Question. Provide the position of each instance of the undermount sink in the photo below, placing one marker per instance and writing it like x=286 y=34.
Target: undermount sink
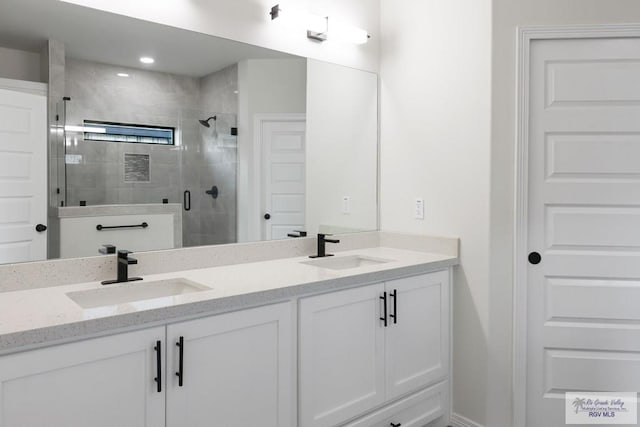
x=346 y=262
x=134 y=291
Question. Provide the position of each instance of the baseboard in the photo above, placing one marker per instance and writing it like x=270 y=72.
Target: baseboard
x=460 y=421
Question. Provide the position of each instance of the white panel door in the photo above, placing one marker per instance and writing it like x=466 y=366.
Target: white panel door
x=23 y=176
x=417 y=343
x=238 y=370
x=283 y=180
x=584 y=221
x=341 y=348
x=102 y=382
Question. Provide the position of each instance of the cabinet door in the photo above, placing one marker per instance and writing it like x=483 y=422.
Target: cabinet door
x=238 y=370
x=417 y=344
x=341 y=351
x=103 y=382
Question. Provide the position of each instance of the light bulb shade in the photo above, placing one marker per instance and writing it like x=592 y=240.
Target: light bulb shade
x=339 y=31
x=290 y=16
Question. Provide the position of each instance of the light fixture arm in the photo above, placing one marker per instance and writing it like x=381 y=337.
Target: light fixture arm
x=318 y=27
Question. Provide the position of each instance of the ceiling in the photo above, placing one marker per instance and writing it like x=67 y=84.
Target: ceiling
x=114 y=39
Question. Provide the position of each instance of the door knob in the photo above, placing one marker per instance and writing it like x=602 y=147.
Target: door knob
x=267 y=216
x=40 y=228
x=535 y=258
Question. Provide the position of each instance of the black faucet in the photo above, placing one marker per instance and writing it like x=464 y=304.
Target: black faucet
x=107 y=249
x=322 y=252
x=299 y=234
x=124 y=261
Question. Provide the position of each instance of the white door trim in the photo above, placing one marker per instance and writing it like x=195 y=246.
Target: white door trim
x=24 y=86
x=526 y=35
x=258 y=120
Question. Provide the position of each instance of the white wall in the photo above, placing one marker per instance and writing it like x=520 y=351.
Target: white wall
x=507 y=16
x=265 y=86
x=248 y=21
x=435 y=144
x=20 y=65
x=342 y=148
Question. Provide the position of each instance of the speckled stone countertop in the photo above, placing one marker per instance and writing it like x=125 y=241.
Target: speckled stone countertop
x=37 y=317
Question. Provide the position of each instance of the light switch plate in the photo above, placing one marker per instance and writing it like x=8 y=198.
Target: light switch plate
x=346 y=204
x=419 y=208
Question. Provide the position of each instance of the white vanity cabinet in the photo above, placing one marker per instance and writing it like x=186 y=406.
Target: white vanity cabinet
x=237 y=369
x=374 y=355
x=102 y=382
x=364 y=347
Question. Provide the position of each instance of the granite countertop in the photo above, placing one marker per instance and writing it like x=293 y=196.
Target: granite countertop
x=36 y=317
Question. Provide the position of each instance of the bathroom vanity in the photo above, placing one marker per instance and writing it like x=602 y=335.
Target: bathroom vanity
x=359 y=339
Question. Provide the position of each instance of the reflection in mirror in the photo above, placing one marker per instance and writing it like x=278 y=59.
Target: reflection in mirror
x=162 y=138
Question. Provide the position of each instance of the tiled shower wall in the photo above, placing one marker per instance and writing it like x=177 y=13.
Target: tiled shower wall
x=199 y=160
x=213 y=163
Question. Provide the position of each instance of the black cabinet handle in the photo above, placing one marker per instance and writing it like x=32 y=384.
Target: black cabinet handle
x=158 y=378
x=180 y=373
x=267 y=216
x=186 y=200
x=394 y=316
x=40 y=228
x=384 y=310
x=395 y=425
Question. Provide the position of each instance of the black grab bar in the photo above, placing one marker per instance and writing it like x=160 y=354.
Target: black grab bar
x=101 y=227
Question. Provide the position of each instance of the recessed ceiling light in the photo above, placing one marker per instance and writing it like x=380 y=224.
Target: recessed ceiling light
x=147 y=60
x=123 y=75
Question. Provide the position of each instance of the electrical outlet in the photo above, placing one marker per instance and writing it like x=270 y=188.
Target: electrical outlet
x=419 y=209
x=346 y=204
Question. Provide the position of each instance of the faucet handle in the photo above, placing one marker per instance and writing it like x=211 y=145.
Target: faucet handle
x=123 y=253
x=107 y=249
x=322 y=236
x=301 y=233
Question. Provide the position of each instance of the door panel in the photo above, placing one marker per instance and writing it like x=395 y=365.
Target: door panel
x=584 y=217
x=103 y=382
x=23 y=168
x=283 y=183
x=341 y=347
x=238 y=370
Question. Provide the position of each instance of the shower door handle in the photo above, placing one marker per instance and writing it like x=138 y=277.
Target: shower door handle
x=187 y=200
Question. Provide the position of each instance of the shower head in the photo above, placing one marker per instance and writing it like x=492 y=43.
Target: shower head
x=205 y=123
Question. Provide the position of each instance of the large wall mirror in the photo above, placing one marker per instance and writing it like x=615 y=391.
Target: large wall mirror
x=149 y=137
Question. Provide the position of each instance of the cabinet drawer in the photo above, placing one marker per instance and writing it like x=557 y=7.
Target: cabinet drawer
x=414 y=411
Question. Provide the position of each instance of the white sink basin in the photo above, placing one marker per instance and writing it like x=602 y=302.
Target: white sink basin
x=134 y=291
x=346 y=262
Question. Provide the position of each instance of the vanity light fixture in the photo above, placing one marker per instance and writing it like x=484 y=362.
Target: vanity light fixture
x=123 y=75
x=341 y=31
x=147 y=60
x=319 y=28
